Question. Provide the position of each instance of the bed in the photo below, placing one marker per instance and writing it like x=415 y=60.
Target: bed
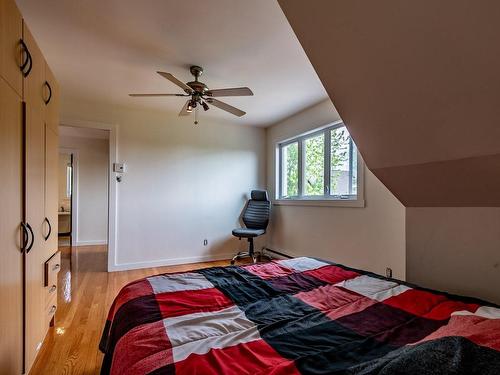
x=296 y=316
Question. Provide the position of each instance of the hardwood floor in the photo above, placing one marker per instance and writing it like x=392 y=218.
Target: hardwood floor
x=85 y=294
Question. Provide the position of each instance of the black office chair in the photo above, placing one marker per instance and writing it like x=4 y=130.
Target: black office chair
x=256 y=218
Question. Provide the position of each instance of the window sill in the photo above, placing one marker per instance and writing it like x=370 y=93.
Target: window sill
x=359 y=203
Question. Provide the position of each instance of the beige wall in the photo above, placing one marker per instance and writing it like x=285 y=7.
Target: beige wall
x=455 y=249
x=417 y=89
x=371 y=238
x=419 y=93
x=184 y=183
x=92 y=190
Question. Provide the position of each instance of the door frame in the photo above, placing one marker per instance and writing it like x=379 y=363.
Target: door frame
x=74 y=193
x=112 y=183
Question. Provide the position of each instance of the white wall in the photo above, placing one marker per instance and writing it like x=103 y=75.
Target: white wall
x=184 y=183
x=370 y=238
x=456 y=249
x=93 y=156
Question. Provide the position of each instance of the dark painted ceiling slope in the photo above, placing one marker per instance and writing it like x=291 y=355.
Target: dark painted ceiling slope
x=418 y=85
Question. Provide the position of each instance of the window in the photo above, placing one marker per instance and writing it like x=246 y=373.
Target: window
x=319 y=166
x=314 y=165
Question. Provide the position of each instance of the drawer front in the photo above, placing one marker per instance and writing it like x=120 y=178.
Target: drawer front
x=52 y=267
x=50 y=294
x=50 y=311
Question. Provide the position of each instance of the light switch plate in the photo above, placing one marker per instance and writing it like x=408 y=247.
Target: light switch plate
x=119 y=167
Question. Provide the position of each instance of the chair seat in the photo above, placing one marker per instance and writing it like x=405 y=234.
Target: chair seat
x=248 y=233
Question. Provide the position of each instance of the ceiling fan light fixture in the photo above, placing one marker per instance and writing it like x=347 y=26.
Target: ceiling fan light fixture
x=198 y=93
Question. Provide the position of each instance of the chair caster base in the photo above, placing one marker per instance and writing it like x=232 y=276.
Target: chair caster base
x=256 y=256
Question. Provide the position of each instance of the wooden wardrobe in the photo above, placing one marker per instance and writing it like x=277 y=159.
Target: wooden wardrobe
x=29 y=259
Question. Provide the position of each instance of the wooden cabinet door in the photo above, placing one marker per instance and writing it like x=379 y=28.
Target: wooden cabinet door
x=11 y=259
x=51 y=97
x=34 y=201
x=34 y=82
x=51 y=100
x=51 y=189
x=11 y=28
x=35 y=215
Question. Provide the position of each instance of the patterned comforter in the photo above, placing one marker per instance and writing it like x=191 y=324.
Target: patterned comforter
x=296 y=316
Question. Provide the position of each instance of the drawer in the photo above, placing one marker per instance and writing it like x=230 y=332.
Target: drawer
x=50 y=294
x=52 y=267
x=50 y=311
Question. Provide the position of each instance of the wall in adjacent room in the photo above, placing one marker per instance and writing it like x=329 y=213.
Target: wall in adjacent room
x=64 y=160
x=455 y=249
x=93 y=156
x=183 y=183
x=371 y=238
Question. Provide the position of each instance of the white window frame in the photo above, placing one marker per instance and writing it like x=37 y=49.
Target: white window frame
x=317 y=200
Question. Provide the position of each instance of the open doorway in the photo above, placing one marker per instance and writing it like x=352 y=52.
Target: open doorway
x=65 y=197
x=84 y=194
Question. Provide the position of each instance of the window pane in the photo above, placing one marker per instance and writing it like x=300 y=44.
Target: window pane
x=344 y=171
x=290 y=168
x=314 y=166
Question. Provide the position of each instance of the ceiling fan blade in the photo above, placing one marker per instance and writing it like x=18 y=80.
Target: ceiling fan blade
x=146 y=95
x=179 y=83
x=226 y=107
x=184 y=111
x=235 y=91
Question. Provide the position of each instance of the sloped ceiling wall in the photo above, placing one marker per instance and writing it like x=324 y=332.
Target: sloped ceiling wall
x=418 y=85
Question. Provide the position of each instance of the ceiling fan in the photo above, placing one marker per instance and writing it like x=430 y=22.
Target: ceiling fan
x=201 y=95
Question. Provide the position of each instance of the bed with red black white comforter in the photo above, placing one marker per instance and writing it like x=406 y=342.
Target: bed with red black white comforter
x=296 y=316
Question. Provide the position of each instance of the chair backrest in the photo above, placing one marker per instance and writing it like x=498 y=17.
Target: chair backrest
x=257 y=211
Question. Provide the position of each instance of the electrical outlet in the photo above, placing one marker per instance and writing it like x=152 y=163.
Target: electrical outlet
x=205 y=242
x=388 y=272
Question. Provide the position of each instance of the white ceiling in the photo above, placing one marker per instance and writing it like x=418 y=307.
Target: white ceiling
x=104 y=49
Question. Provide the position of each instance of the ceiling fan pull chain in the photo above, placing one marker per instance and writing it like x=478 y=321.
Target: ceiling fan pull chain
x=196 y=116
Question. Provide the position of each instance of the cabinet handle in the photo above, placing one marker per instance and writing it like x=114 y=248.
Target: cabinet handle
x=25 y=50
x=25 y=237
x=52 y=309
x=50 y=229
x=52 y=289
x=50 y=93
x=28 y=62
x=56 y=267
x=28 y=249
